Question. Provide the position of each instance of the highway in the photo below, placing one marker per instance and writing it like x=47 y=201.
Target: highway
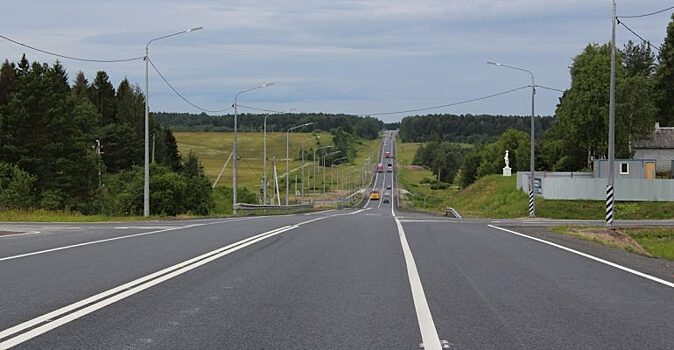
x=363 y=278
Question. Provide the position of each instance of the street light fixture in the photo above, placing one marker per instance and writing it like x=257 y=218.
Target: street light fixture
x=235 y=154
x=288 y=156
x=146 y=184
x=532 y=161
x=303 y=141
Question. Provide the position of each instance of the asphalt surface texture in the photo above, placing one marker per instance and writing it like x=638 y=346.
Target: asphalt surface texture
x=364 y=278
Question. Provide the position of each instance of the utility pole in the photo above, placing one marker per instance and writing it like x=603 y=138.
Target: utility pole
x=611 y=127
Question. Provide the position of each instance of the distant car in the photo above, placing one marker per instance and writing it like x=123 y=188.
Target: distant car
x=388 y=187
x=386 y=200
x=374 y=195
x=389 y=169
x=387 y=194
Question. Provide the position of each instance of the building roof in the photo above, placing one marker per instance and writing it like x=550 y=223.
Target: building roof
x=661 y=138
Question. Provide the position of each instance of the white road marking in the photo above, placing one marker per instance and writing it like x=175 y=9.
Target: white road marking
x=431 y=220
x=592 y=257
x=88 y=243
x=171 y=228
x=144 y=227
x=429 y=334
x=70 y=313
x=86 y=306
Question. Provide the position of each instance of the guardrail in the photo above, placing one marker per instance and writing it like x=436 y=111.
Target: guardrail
x=244 y=209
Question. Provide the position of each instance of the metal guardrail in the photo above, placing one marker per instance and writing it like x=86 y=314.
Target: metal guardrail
x=244 y=209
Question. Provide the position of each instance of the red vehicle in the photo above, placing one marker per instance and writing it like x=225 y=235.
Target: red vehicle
x=380 y=168
x=387 y=154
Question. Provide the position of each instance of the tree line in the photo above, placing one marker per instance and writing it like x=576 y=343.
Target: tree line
x=80 y=147
x=576 y=135
x=365 y=127
x=467 y=128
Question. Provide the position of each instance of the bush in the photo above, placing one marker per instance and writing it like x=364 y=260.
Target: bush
x=17 y=187
x=440 y=186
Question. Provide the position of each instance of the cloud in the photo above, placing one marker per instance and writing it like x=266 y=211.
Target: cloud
x=338 y=56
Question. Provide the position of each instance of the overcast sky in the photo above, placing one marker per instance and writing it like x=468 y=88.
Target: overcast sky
x=349 y=56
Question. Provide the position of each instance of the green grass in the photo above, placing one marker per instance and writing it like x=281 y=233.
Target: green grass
x=655 y=241
x=496 y=196
x=59 y=216
x=421 y=196
x=658 y=242
x=213 y=149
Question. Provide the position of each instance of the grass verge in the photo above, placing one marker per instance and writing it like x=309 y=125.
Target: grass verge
x=649 y=241
x=59 y=216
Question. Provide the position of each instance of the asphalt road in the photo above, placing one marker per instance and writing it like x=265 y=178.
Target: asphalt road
x=368 y=278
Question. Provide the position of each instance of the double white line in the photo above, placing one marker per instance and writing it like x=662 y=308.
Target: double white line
x=27 y=330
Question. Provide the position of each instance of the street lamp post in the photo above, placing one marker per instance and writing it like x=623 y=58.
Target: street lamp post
x=532 y=161
x=235 y=147
x=319 y=148
x=324 y=170
x=305 y=140
x=611 y=126
x=146 y=184
x=332 y=172
x=264 y=156
x=288 y=156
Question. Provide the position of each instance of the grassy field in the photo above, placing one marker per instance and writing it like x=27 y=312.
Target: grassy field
x=651 y=241
x=213 y=149
x=496 y=196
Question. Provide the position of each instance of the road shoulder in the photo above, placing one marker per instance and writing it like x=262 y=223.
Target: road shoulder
x=656 y=267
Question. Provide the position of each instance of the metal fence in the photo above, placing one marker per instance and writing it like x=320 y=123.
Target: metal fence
x=590 y=188
x=243 y=209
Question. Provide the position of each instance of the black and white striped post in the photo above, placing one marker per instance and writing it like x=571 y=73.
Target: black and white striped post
x=532 y=204
x=609 y=205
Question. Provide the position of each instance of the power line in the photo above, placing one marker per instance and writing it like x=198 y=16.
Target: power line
x=649 y=14
x=647 y=42
x=455 y=103
x=181 y=95
x=70 y=57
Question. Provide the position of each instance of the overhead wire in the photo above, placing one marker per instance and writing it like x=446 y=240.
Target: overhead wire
x=647 y=42
x=454 y=103
x=649 y=14
x=70 y=57
x=181 y=95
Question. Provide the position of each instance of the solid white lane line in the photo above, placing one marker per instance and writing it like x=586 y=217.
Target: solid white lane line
x=430 y=220
x=78 y=309
x=128 y=289
x=114 y=239
x=429 y=334
x=89 y=243
x=144 y=227
x=592 y=257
